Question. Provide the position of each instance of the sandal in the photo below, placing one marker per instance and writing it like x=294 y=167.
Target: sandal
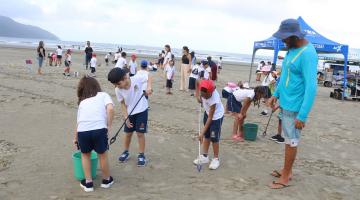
x=282 y=186
x=277 y=174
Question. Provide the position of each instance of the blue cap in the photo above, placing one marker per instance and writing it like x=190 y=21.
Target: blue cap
x=204 y=62
x=144 y=63
x=289 y=27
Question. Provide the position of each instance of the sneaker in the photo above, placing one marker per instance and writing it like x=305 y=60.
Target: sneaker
x=280 y=140
x=88 y=187
x=264 y=113
x=107 y=183
x=125 y=156
x=192 y=95
x=215 y=163
x=275 y=137
x=141 y=160
x=201 y=160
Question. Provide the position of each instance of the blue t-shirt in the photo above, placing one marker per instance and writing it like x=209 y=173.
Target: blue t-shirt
x=297 y=87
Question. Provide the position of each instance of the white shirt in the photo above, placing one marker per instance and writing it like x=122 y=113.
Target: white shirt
x=93 y=62
x=170 y=71
x=107 y=56
x=230 y=89
x=195 y=71
x=219 y=108
x=242 y=94
x=68 y=58
x=206 y=71
x=259 y=67
x=91 y=113
x=121 y=62
x=133 y=94
x=167 y=58
x=117 y=56
x=133 y=66
x=59 y=52
x=143 y=73
x=267 y=80
x=219 y=63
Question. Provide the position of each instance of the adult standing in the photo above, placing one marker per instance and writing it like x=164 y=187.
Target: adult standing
x=296 y=92
x=214 y=68
x=185 y=67
x=41 y=55
x=88 y=54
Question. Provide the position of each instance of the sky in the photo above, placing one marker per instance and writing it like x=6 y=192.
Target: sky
x=214 y=25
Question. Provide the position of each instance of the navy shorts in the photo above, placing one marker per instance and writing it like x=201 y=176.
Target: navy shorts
x=225 y=94
x=96 y=140
x=139 y=122
x=214 y=131
x=233 y=105
x=169 y=83
x=192 y=83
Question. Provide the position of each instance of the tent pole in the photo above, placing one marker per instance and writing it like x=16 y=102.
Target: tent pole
x=251 y=65
x=345 y=74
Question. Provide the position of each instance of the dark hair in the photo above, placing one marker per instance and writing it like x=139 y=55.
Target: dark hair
x=186 y=49
x=88 y=87
x=260 y=92
x=209 y=58
x=41 y=46
x=123 y=54
x=117 y=74
x=59 y=46
x=220 y=58
x=192 y=54
x=168 y=46
x=162 y=51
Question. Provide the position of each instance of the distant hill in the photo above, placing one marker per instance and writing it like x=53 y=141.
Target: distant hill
x=11 y=28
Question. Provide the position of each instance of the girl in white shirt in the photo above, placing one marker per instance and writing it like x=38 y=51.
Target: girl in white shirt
x=94 y=120
x=58 y=56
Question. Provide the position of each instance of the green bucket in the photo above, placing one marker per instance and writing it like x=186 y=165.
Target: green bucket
x=78 y=169
x=250 y=131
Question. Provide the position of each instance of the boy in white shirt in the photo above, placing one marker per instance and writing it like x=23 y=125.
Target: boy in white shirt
x=121 y=62
x=129 y=91
x=107 y=57
x=170 y=72
x=213 y=118
x=205 y=70
x=133 y=65
x=93 y=64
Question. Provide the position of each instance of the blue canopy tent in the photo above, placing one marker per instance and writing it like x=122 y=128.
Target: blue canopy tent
x=321 y=44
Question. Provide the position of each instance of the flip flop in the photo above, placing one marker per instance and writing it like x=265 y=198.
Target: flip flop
x=277 y=174
x=281 y=184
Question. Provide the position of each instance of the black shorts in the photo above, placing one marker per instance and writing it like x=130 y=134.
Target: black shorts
x=106 y=60
x=93 y=69
x=59 y=56
x=96 y=140
x=192 y=83
x=233 y=105
x=169 y=83
x=67 y=63
x=214 y=131
x=139 y=122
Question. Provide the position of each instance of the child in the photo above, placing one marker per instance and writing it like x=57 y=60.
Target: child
x=213 y=118
x=238 y=103
x=205 y=70
x=121 y=62
x=220 y=64
x=93 y=64
x=170 y=72
x=133 y=65
x=94 y=120
x=67 y=63
x=58 y=56
x=107 y=57
x=194 y=76
x=144 y=72
x=128 y=91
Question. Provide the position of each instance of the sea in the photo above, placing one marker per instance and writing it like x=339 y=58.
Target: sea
x=130 y=49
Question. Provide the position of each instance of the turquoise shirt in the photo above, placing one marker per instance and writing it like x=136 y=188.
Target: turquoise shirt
x=297 y=87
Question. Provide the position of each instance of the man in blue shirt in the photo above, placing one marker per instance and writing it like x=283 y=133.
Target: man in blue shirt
x=296 y=92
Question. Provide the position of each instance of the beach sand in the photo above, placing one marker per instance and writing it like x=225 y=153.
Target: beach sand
x=38 y=117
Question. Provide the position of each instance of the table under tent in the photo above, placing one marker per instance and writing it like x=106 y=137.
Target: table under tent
x=321 y=44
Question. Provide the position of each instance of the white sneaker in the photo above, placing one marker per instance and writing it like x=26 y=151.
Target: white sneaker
x=215 y=163
x=201 y=160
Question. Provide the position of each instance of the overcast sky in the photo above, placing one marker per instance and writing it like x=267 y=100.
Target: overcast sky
x=217 y=25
